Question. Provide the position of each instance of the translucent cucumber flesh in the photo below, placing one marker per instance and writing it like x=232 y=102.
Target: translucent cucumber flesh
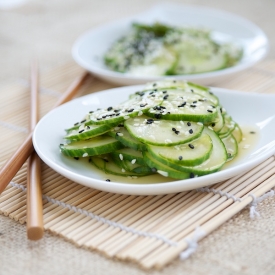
x=162 y=132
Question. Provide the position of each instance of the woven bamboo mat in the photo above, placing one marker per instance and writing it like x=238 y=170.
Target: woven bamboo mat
x=149 y=230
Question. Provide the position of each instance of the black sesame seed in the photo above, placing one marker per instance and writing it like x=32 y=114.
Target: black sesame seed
x=192 y=175
x=88 y=127
x=77 y=158
x=177 y=132
x=81 y=131
x=116 y=111
x=195 y=101
x=117 y=114
x=164 y=92
x=221 y=110
x=109 y=108
x=84 y=120
x=209 y=111
x=193 y=105
x=106 y=160
x=252 y=132
x=61 y=144
x=213 y=106
x=210 y=93
x=158 y=116
x=153 y=169
x=191 y=131
x=180 y=157
x=229 y=155
x=155 y=90
x=192 y=90
x=151 y=93
x=108 y=180
x=182 y=105
x=76 y=123
x=174 y=129
x=201 y=99
x=143 y=105
x=131 y=110
x=165 y=97
x=91 y=112
x=155 y=84
x=162 y=107
x=191 y=146
x=98 y=118
x=213 y=124
x=189 y=123
x=120 y=125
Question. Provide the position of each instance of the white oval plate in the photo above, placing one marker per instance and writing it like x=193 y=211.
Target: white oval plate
x=255 y=110
x=89 y=49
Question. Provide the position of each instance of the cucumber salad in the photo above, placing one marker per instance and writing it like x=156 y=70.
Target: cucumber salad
x=158 y=49
x=174 y=128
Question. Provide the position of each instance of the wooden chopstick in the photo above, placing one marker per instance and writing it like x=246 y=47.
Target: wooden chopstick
x=35 y=228
x=16 y=161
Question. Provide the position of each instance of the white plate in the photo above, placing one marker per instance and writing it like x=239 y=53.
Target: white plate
x=254 y=110
x=89 y=49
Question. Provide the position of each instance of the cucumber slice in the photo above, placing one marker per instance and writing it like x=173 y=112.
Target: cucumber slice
x=182 y=105
x=217 y=158
x=121 y=134
x=133 y=107
x=237 y=133
x=109 y=167
x=130 y=154
x=183 y=154
x=218 y=123
x=162 y=132
x=87 y=132
x=228 y=127
x=96 y=146
x=163 y=169
x=231 y=146
x=130 y=166
x=185 y=86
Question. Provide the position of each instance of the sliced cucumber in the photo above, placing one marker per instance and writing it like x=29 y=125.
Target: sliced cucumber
x=218 y=123
x=188 y=154
x=228 y=126
x=237 y=133
x=133 y=107
x=121 y=134
x=182 y=105
x=162 y=132
x=130 y=154
x=165 y=170
x=87 y=132
x=231 y=146
x=109 y=167
x=96 y=146
x=130 y=166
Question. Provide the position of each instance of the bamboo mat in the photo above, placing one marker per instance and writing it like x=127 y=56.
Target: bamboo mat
x=149 y=230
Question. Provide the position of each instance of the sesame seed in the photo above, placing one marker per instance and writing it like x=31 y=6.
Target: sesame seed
x=163 y=173
x=131 y=110
x=191 y=131
x=192 y=175
x=85 y=155
x=193 y=105
x=180 y=157
x=174 y=129
x=108 y=180
x=209 y=111
x=153 y=169
x=76 y=123
x=121 y=156
x=77 y=158
x=189 y=123
x=191 y=146
x=109 y=108
x=213 y=124
x=177 y=132
x=84 y=120
x=81 y=131
x=252 y=132
x=133 y=161
x=123 y=170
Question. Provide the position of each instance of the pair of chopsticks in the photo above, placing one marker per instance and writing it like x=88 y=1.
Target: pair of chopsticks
x=35 y=229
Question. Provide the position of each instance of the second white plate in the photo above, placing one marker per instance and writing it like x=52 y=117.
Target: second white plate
x=89 y=48
x=253 y=110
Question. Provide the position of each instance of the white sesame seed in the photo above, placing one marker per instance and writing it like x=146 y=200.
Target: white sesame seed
x=133 y=161
x=126 y=117
x=85 y=155
x=120 y=134
x=140 y=113
x=123 y=170
x=199 y=123
x=210 y=128
x=121 y=156
x=117 y=128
